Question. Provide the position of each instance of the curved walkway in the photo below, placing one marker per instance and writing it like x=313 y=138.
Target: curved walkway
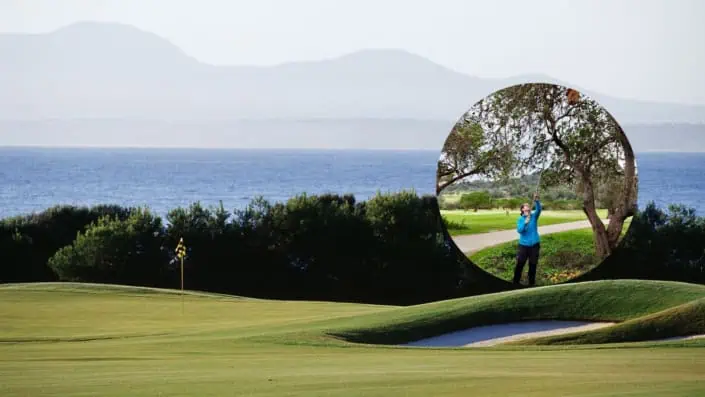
x=470 y=243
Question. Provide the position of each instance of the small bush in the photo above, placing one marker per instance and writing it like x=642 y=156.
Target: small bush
x=27 y=242
x=116 y=251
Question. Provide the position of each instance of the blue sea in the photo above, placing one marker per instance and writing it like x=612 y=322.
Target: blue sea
x=33 y=179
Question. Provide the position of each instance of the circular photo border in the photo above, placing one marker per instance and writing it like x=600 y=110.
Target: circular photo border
x=537 y=184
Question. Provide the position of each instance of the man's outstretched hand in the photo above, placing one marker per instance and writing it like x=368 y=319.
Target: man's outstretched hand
x=536 y=196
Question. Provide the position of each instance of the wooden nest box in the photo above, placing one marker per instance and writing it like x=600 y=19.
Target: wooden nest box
x=573 y=96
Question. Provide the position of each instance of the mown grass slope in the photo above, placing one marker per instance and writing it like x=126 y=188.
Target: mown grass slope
x=56 y=312
x=69 y=339
x=611 y=301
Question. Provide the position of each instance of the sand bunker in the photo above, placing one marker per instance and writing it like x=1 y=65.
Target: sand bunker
x=491 y=335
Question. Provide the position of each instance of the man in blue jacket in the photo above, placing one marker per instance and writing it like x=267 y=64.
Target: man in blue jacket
x=529 y=241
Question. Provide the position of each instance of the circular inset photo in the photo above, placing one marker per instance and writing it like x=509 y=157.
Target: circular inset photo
x=537 y=184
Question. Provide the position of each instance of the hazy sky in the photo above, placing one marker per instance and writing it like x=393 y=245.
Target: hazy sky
x=632 y=49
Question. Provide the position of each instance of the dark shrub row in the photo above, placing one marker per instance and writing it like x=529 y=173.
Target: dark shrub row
x=27 y=242
x=390 y=249
x=660 y=245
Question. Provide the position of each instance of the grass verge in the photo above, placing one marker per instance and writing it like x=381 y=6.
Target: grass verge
x=468 y=223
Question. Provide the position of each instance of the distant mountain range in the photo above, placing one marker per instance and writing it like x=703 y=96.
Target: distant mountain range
x=107 y=70
x=111 y=84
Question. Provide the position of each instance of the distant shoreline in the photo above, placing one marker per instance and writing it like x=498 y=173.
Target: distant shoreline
x=317 y=149
x=216 y=148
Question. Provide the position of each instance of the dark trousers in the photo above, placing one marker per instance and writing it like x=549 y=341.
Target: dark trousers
x=532 y=254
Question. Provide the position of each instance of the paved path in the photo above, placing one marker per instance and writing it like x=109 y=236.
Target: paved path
x=474 y=242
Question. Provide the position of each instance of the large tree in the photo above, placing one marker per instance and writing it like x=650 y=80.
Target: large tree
x=554 y=130
x=577 y=142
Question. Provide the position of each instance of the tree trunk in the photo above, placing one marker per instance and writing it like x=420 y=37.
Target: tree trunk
x=603 y=248
x=626 y=202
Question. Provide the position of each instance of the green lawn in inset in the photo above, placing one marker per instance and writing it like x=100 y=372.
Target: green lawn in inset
x=468 y=222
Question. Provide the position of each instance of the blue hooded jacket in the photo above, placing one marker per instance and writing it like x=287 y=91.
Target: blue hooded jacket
x=528 y=232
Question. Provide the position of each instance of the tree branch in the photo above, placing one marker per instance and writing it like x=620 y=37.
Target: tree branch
x=567 y=113
x=441 y=186
x=602 y=144
x=558 y=141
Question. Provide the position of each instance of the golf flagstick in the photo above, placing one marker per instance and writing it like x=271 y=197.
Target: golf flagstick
x=182 y=286
x=181 y=253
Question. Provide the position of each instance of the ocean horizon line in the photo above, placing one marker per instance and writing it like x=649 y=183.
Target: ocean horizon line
x=214 y=148
x=258 y=148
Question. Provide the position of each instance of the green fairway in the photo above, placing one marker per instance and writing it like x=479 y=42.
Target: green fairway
x=468 y=222
x=72 y=339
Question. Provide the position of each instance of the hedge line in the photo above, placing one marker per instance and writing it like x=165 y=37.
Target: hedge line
x=390 y=249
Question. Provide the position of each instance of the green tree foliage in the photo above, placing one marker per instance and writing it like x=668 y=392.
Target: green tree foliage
x=26 y=242
x=660 y=245
x=118 y=251
x=391 y=249
x=476 y=201
x=517 y=190
x=407 y=228
x=473 y=148
x=205 y=231
x=576 y=143
x=533 y=129
x=323 y=241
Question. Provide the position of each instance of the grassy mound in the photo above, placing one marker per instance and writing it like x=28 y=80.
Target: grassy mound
x=76 y=339
x=80 y=312
x=611 y=301
x=643 y=309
